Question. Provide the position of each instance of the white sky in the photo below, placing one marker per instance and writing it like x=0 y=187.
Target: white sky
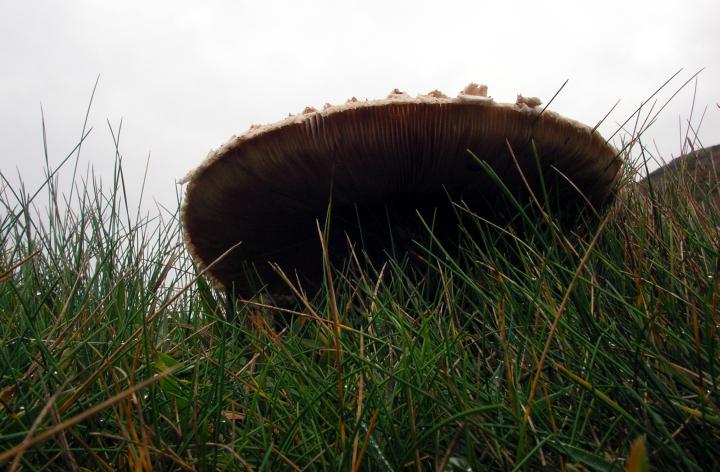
x=184 y=76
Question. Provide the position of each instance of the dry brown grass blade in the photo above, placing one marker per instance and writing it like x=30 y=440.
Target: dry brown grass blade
x=79 y=418
x=36 y=424
x=313 y=316
x=232 y=452
x=91 y=453
x=451 y=447
x=108 y=361
x=168 y=454
x=559 y=313
x=370 y=429
x=8 y=273
x=74 y=331
x=298 y=294
x=165 y=270
x=336 y=331
x=359 y=403
x=638 y=461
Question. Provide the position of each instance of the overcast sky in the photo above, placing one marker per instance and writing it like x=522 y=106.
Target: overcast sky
x=184 y=76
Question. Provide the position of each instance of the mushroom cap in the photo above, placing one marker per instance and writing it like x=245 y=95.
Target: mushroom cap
x=266 y=188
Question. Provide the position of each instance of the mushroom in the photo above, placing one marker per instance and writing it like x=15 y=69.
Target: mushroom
x=375 y=164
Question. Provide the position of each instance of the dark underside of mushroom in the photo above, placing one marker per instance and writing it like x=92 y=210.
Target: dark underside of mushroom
x=399 y=226
x=382 y=176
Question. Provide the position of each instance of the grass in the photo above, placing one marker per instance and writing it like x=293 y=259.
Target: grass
x=554 y=350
